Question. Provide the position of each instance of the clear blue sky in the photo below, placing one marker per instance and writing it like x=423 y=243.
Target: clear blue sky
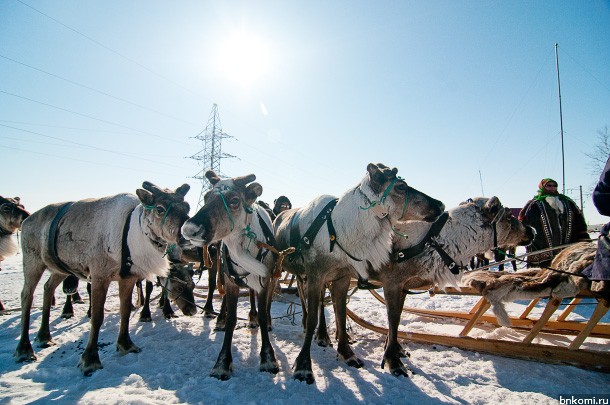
x=460 y=96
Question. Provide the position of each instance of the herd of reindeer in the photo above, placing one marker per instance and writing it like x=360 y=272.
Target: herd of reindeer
x=381 y=231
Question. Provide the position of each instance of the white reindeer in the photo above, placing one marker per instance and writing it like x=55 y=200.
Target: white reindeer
x=425 y=258
x=230 y=214
x=119 y=238
x=344 y=242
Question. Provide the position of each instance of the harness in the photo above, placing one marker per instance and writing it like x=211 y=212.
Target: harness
x=306 y=242
x=126 y=261
x=264 y=249
x=410 y=252
x=428 y=241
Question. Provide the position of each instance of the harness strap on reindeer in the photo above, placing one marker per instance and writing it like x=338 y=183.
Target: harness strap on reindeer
x=52 y=241
x=408 y=253
x=306 y=242
x=126 y=261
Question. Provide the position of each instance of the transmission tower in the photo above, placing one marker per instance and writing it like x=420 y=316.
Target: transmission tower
x=211 y=153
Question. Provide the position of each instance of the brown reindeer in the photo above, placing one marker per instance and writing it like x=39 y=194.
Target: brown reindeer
x=12 y=214
x=119 y=238
x=337 y=239
x=230 y=214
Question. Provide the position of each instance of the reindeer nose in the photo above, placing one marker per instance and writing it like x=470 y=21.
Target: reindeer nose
x=191 y=230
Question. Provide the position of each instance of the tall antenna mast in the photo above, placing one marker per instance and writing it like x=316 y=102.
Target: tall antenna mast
x=563 y=162
x=211 y=152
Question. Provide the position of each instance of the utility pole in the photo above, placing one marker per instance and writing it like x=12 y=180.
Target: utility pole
x=210 y=155
x=563 y=162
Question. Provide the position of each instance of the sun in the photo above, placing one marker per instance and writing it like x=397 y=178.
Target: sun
x=244 y=59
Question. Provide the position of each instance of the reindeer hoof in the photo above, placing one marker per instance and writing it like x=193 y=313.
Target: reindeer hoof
x=221 y=374
x=354 y=362
x=88 y=364
x=304 y=375
x=145 y=318
x=24 y=356
x=400 y=372
x=67 y=315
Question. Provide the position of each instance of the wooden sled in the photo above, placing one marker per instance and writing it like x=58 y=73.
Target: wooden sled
x=525 y=349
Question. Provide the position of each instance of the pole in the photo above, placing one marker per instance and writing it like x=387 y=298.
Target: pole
x=581 y=210
x=481 y=180
x=563 y=162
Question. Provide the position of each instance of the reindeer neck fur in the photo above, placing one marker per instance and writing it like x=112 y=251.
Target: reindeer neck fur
x=148 y=260
x=8 y=246
x=464 y=235
x=243 y=250
x=360 y=232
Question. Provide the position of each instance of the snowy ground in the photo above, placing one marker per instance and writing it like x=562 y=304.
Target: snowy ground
x=177 y=356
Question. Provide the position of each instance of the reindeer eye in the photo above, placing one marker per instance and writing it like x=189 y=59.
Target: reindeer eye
x=160 y=209
x=234 y=202
x=401 y=188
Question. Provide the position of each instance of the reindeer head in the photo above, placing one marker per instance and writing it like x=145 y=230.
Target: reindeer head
x=165 y=211
x=509 y=230
x=392 y=197
x=224 y=209
x=12 y=214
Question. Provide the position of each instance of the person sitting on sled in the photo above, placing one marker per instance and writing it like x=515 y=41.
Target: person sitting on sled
x=556 y=219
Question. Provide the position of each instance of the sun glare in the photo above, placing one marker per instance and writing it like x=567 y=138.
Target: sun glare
x=244 y=59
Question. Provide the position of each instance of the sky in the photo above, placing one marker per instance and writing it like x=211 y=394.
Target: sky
x=461 y=96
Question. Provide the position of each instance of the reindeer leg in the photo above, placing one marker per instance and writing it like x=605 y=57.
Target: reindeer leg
x=253 y=315
x=224 y=364
x=303 y=369
x=268 y=361
x=394 y=298
x=43 y=338
x=124 y=343
x=338 y=292
x=32 y=271
x=208 y=307
x=90 y=359
x=145 y=315
x=89 y=293
x=302 y=293
x=168 y=312
x=68 y=310
x=322 y=338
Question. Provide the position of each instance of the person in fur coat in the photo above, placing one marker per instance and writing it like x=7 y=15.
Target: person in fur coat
x=556 y=219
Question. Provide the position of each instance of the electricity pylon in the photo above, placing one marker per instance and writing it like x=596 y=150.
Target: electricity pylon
x=210 y=155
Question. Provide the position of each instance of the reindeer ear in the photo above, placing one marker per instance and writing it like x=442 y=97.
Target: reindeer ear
x=376 y=176
x=147 y=185
x=145 y=196
x=212 y=177
x=492 y=207
x=183 y=189
x=253 y=191
x=243 y=180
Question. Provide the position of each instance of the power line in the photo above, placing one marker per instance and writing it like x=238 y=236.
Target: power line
x=131 y=156
x=96 y=90
x=91 y=117
x=107 y=48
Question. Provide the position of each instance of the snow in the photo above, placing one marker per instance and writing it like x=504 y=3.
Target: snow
x=178 y=354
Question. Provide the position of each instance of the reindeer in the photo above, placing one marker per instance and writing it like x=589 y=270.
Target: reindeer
x=230 y=214
x=337 y=239
x=118 y=238
x=436 y=254
x=12 y=214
